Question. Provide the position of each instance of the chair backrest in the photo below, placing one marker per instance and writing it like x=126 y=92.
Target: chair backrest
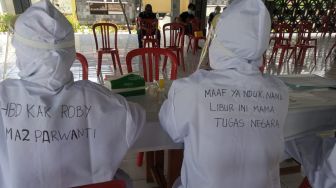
x=275 y=25
x=149 y=26
x=325 y=21
x=103 y=31
x=85 y=69
x=305 y=29
x=150 y=56
x=196 y=25
x=284 y=31
x=109 y=184
x=176 y=35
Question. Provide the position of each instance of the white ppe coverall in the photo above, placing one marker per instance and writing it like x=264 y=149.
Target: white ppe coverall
x=317 y=156
x=55 y=132
x=231 y=118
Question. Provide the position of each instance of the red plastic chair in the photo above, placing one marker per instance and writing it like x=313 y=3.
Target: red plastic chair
x=305 y=41
x=109 y=184
x=176 y=40
x=150 y=28
x=282 y=41
x=104 y=47
x=305 y=183
x=325 y=27
x=275 y=26
x=85 y=69
x=150 y=56
x=151 y=60
x=193 y=38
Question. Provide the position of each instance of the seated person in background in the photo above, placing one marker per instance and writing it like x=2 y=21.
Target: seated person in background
x=186 y=17
x=231 y=138
x=147 y=14
x=318 y=158
x=213 y=14
x=55 y=132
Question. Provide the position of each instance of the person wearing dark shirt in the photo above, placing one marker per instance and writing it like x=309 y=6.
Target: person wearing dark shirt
x=146 y=14
x=213 y=14
x=186 y=17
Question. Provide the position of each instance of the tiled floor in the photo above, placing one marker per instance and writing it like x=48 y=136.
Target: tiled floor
x=85 y=44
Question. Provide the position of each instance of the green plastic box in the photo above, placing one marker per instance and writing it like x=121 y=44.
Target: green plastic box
x=129 y=85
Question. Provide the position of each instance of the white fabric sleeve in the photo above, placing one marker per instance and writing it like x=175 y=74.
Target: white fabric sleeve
x=317 y=156
x=168 y=119
x=135 y=120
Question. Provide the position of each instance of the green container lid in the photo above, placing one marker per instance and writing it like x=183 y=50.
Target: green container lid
x=129 y=85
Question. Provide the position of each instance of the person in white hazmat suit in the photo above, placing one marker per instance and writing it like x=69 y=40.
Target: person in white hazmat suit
x=231 y=118
x=317 y=156
x=55 y=132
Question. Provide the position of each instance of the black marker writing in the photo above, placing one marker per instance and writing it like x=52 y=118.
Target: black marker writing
x=265 y=123
x=68 y=111
x=229 y=122
x=17 y=134
x=12 y=109
x=38 y=111
x=263 y=109
x=221 y=107
x=214 y=93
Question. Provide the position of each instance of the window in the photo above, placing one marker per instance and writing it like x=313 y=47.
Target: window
x=112 y=1
x=104 y=7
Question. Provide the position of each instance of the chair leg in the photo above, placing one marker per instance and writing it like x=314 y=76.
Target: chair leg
x=100 y=57
x=175 y=158
x=119 y=64
x=315 y=53
x=289 y=56
x=299 y=57
x=274 y=53
x=159 y=160
x=158 y=169
x=189 y=44
x=282 y=54
x=293 y=53
x=304 y=51
x=182 y=59
x=139 y=159
x=195 y=45
x=178 y=58
x=330 y=51
x=164 y=63
x=149 y=165
x=113 y=60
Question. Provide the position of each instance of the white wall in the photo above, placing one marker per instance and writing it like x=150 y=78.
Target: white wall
x=7 y=6
x=1 y=11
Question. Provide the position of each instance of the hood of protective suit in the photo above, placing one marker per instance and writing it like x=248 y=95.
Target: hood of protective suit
x=241 y=36
x=45 y=48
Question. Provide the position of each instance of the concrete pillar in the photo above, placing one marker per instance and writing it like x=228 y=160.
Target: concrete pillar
x=175 y=9
x=200 y=13
x=2 y=7
x=21 y=5
x=7 y=6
